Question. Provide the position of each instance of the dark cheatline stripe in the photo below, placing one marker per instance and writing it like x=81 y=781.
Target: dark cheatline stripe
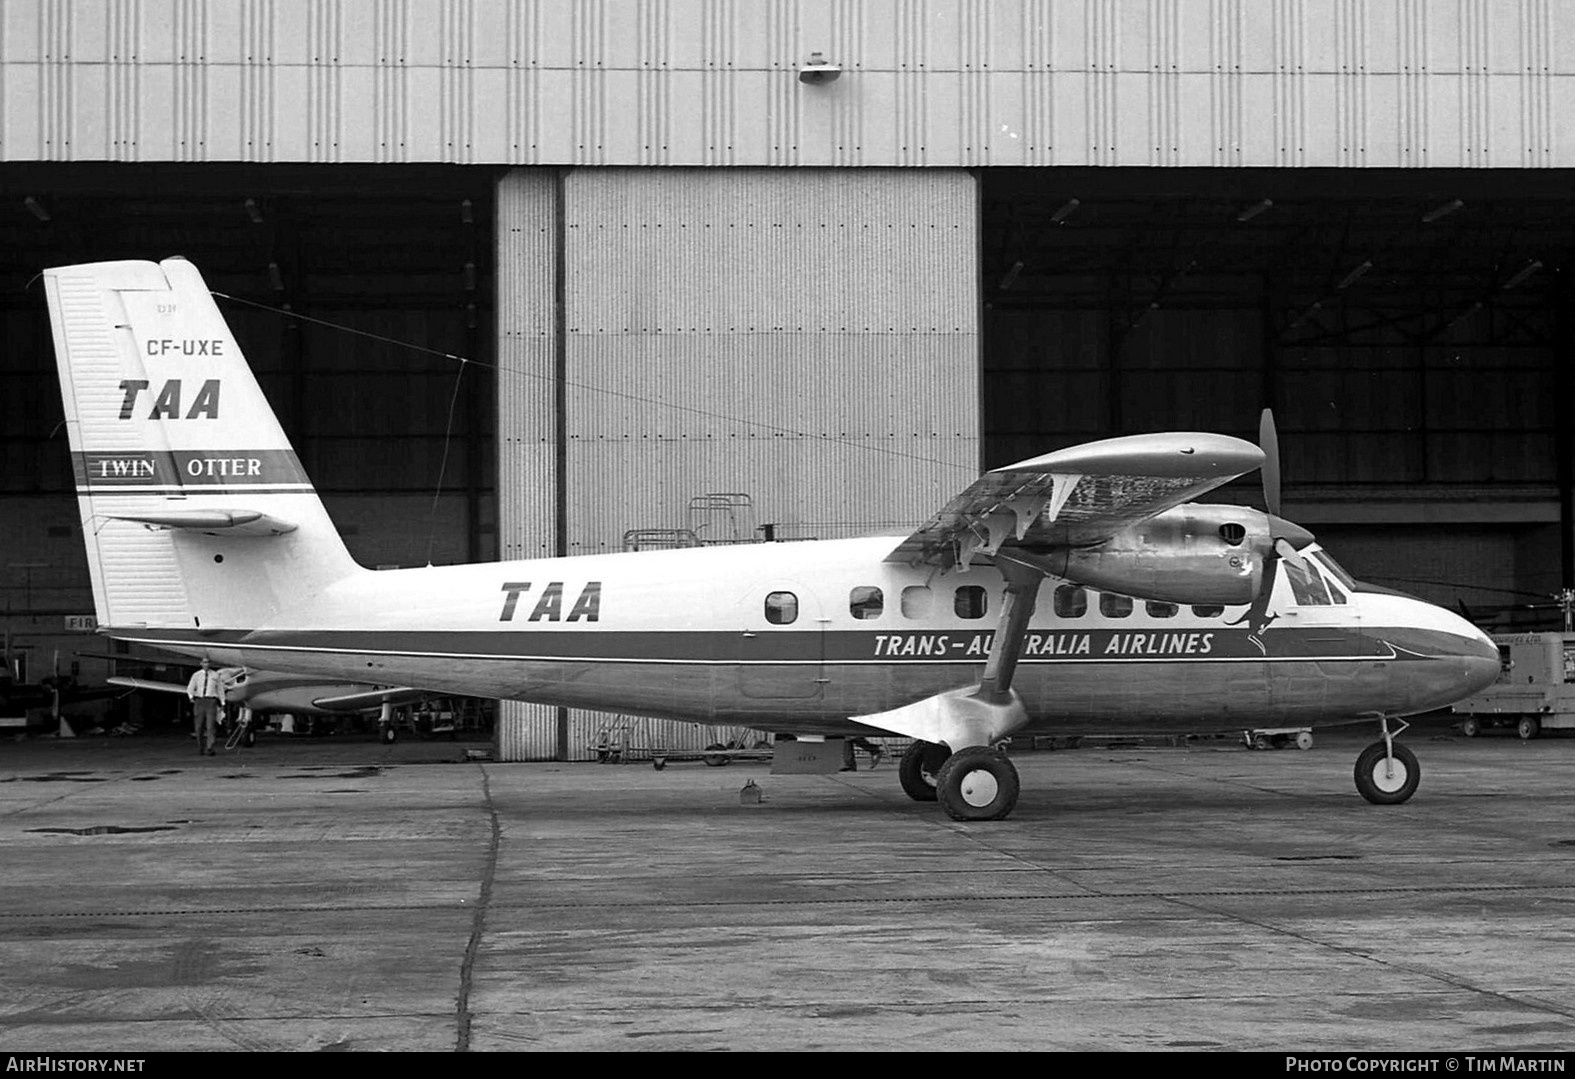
x=840 y=647
x=209 y=471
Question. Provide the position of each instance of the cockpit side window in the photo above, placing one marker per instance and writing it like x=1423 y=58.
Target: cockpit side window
x=1306 y=583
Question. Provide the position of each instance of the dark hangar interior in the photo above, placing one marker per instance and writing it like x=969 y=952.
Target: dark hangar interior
x=1410 y=329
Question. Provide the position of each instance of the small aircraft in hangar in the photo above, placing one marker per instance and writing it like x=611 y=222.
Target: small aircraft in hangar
x=269 y=692
x=1081 y=587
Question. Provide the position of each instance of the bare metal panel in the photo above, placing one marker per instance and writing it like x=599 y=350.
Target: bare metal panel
x=527 y=428
x=807 y=338
x=923 y=82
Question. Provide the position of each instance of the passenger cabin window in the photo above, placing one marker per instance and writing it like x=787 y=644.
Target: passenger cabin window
x=866 y=601
x=917 y=601
x=1113 y=605
x=971 y=601
x=1070 y=601
x=1207 y=610
x=1160 y=610
x=781 y=608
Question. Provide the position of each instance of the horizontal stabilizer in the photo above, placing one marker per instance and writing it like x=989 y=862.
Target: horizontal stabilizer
x=213 y=522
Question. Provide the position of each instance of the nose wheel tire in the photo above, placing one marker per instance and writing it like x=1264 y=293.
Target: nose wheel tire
x=918 y=767
x=977 y=783
x=1387 y=780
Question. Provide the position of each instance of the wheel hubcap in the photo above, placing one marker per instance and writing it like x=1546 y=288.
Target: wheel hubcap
x=979 y=788
x=1389 y=775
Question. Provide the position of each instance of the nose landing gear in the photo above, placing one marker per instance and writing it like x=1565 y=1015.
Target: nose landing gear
x=1387 y=773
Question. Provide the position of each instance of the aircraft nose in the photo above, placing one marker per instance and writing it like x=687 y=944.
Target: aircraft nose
x=1480 y=657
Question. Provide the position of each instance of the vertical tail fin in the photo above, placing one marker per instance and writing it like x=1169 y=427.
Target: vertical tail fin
x=196 y=512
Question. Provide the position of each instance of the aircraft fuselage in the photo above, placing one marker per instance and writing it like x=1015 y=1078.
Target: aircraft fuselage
x=800 y=636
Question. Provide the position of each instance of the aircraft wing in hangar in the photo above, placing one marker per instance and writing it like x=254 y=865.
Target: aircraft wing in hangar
x=268 y=691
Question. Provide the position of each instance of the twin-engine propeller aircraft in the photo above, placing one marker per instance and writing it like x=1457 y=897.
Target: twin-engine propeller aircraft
x=205 y=538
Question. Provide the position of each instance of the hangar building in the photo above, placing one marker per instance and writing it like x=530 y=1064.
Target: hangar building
x=522 y=278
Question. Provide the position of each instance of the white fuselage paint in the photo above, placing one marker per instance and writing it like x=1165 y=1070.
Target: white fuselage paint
x=685 y=634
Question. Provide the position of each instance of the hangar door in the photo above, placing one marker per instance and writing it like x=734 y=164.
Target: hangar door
x=805 y=340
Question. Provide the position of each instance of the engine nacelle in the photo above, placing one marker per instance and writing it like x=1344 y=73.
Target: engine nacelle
x=1201 y=554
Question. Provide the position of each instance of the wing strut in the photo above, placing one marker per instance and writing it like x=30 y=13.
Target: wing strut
x=1017 y=607
x=985 y=713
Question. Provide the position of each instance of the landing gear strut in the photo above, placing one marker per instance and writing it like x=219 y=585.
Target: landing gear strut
x=1387 y=773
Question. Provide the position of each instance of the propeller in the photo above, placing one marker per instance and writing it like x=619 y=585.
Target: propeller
x=1269 y=443
x=1287 y=537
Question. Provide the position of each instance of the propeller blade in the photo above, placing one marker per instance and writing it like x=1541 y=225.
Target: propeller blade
x=1287 y=551
x=1269 y=443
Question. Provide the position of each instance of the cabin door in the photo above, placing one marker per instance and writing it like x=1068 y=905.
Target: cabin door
x=781 y=643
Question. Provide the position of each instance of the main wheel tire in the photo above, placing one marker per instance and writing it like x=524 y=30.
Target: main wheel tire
x=1528 y=727
x=1471 y=726
x=977 y=783
x=1384 y=781
x=920 y=764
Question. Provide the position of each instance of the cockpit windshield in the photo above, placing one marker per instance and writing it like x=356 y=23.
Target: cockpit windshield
x=1335 y=569
x=1308 y=586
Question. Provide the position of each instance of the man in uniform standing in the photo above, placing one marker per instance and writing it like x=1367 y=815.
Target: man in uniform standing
x=206 y=690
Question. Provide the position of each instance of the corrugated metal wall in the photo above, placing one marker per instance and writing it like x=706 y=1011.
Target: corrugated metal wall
x=713 y=82
x=527 y=240
x=809 y=339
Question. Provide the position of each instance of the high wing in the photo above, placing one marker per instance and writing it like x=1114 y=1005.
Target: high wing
x=1077 y=497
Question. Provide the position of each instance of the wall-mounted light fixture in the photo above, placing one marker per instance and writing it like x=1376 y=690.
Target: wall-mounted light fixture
x=817 y=70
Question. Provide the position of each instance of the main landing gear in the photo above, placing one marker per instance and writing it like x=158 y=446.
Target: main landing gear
x=975 y=783
x=1387 y=773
